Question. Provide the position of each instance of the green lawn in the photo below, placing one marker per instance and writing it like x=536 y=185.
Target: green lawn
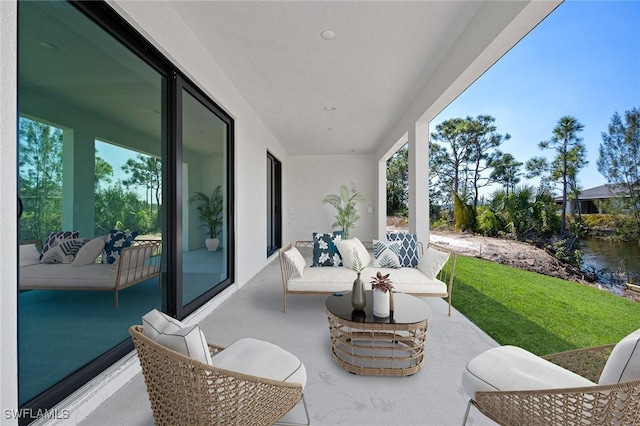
x=539 y=313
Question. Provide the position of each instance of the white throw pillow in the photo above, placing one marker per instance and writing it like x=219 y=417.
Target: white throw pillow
x=295 y=258
x=623 y=364
x=386 y=254
x=432 y=262
x=29 y=255
x=346 y=249
x=89 y=252
x=189 y=341
x=155 y=323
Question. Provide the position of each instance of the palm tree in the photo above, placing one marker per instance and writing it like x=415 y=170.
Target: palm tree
x=345 y=204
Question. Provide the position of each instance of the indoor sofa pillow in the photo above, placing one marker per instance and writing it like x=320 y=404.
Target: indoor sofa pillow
x=63 y=252
x=115 y=242
x=55 y=237
x=325 y=252
x=409 y=255
x=29 y=255
x=386 y=254
x=89 y=252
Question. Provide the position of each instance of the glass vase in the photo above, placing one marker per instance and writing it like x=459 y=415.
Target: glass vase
x=358 y=296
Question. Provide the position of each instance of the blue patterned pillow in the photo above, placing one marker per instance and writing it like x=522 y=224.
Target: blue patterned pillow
x=54 y=238
x=409 y=255
x=64 y=252
x=325 y=252
x=115 y=242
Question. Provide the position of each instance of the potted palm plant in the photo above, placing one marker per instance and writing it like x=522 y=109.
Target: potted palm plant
x=210 y=210
x=345 y=204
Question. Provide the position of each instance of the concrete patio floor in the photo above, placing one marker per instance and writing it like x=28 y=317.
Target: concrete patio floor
x=433 y=396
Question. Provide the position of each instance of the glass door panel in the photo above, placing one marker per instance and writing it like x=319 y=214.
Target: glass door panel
x=205 y=237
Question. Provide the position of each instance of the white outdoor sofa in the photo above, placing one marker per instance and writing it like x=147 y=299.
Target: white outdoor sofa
x=137 y=263
x=329 y=280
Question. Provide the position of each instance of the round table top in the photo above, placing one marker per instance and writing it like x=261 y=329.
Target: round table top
x=407 y=309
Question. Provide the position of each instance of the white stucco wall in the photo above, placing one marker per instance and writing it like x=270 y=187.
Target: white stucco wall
x=310 y=178
x=8 y=219
x=162 y=27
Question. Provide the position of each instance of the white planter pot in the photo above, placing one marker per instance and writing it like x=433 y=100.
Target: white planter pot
x=380 y=303
x=212 y=244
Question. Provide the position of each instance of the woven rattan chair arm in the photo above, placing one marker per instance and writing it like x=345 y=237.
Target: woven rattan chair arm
x=593 y=405
x=586 y=362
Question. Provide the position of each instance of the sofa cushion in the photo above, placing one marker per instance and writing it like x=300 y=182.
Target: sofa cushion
x=29 y=255
x=262 y=359
x=89 y=252
x=347 y=250
x=409 y=252
x=509 y=368
x=432 y=262
x=623 y=364
x=55 y=237
x=385 y=254
x=115 y=242
x=155 y=323
x=296 y=260
x=63 y=251
x=325 y=252
x=337 y=280
x=189 y=341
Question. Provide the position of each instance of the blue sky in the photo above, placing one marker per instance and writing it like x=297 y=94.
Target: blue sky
x=583 y=60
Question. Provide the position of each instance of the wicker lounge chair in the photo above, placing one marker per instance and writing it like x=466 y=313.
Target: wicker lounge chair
x=184 y=391
x=614 y=401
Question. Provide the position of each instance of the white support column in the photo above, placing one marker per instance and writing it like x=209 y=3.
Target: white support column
x=419 y=180
x=381 y=202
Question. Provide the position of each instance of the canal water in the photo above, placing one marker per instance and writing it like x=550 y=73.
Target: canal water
x=616 y=263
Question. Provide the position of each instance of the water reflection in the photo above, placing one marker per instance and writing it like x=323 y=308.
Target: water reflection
x=614 y=262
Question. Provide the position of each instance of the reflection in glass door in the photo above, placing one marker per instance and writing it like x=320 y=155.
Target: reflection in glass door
x=205 y=221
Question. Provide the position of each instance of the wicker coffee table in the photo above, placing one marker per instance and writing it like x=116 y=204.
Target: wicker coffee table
x=364 y=344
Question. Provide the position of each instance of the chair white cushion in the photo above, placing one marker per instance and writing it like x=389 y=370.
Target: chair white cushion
x=509 y=368
x=262 y=359
x=189 y=341
x=29 y=255
x=155 y=323
x=295 y=258
x=346 y=249
x=623 y=364
x=432 y=262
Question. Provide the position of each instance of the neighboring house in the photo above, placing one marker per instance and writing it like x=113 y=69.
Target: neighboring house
x=592 y=200
x=279 y=103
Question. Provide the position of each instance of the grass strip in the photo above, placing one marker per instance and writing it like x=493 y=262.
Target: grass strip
x=539 y=313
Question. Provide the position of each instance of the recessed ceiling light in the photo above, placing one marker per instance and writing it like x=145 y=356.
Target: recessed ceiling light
x=330 y=108
x=327 y=35
x=48 y=46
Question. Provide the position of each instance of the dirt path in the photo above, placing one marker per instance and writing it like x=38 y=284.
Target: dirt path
x=508 y=252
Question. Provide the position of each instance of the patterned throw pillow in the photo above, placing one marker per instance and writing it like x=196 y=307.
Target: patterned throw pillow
x=55 y=237
x=64 y=252
x=325 y=252
x=115 y=242
x=385 y=254
x=409 y=255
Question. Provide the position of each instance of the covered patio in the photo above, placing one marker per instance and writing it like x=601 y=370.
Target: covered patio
x=433 y=396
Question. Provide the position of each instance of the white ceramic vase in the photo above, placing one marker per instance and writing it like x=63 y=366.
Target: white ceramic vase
x=212 y=244
x=380 y=303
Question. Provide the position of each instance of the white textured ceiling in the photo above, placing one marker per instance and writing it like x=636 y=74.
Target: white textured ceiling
x=382 y=55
